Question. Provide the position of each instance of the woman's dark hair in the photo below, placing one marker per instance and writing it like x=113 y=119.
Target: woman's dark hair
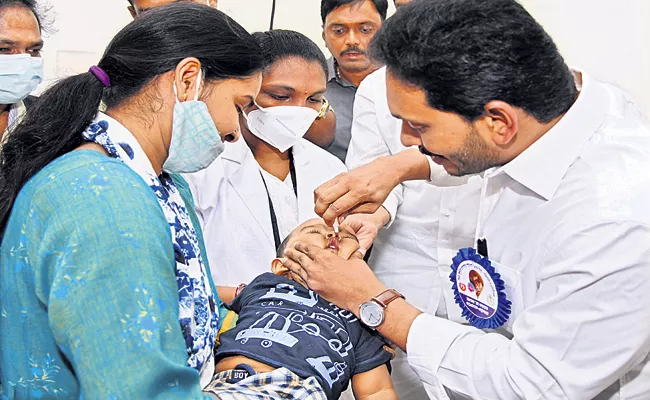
x=151 y=45
x=278 y=44
x=466 y=53
x=327 y=6
x=31 y=5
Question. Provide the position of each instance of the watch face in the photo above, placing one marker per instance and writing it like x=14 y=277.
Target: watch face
x=372 y=314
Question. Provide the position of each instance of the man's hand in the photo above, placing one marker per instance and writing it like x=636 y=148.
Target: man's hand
x=364 y=189
x=367 y=226
x=346 y=283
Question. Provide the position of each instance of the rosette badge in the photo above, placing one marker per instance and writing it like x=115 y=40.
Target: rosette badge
x=479 y=290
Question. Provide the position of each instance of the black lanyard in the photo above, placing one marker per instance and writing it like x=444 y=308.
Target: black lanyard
x=274 y=218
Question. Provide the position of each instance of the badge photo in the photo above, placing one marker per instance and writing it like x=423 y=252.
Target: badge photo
x=479 y=290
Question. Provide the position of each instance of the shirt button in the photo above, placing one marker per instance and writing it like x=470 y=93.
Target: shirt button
x=445 y=213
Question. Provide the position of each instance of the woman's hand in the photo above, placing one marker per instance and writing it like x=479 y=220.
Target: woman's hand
x=346 y=283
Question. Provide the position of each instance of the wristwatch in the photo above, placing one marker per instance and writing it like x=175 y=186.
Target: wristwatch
x=372 y=312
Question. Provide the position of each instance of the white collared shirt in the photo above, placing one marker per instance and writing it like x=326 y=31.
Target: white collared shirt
x=568 y=221
x=413 y=253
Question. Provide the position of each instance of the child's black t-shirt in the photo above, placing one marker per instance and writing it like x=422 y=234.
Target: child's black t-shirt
x=283 y=324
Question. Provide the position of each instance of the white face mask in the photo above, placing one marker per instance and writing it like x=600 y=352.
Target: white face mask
x=20 y=74
x=282 y=127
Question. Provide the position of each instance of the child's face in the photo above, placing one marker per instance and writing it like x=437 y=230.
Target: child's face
x=317 y=233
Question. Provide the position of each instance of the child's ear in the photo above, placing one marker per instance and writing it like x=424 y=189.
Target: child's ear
x=278 y=268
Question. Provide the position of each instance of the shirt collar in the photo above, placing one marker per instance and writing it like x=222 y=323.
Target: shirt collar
x=542 y=166
x=334 y=75
x=16 y=114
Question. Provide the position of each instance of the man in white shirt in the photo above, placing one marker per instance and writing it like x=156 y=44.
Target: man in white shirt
x=563 y=222
x=413 y=254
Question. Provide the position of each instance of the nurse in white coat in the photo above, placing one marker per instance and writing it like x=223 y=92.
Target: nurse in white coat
x=262 y=187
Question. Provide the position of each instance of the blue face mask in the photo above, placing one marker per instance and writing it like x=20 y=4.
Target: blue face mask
x=20 y=74
x=196 y=142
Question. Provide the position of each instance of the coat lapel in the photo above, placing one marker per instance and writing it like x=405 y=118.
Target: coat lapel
x=242 y=171
x=305 y=190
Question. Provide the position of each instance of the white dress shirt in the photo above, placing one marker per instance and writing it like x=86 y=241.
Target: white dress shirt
x=414 y=253
x=233 y=207
x=567 y=223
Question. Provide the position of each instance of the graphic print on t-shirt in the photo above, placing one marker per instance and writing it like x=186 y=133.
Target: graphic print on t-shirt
x=283 y=324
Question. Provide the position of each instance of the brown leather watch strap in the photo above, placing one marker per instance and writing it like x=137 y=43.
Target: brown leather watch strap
x=387 y=296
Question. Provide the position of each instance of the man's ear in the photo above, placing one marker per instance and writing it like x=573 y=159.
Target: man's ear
x=501 y=119
x=132 y=11
x=278 y=268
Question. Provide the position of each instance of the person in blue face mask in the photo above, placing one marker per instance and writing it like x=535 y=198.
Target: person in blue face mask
x=21 y=67
x=105 y=289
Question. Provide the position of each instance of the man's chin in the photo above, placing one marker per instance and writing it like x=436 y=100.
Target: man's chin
x=449 y=167
x=355 y=65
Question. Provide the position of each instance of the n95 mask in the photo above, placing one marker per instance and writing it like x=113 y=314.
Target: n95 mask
x=282 y=127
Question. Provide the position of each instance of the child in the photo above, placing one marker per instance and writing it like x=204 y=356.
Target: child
x=290 y=343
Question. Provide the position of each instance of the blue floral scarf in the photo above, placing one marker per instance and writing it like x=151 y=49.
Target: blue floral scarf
x=199 y=317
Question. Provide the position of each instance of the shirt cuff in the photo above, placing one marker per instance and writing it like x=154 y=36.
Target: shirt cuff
x=391 y=204
x=428 y=341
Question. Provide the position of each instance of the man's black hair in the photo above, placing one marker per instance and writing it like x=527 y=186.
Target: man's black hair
x=31 y=5
x=465 y=54
x=327 y=6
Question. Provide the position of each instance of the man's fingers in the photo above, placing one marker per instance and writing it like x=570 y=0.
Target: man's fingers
x=327 y=185
x=298 y=256
x=342 y=205
x=295 y=268
x=311 y=251
x=366 y=208
x=323 y=203
x=359 y=254
x=328 y=192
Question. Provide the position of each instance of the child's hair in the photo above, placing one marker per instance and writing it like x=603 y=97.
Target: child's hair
x=279 y=253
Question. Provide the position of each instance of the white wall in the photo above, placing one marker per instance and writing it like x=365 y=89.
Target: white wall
x=609 y=39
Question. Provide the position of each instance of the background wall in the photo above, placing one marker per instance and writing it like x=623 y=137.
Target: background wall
x=609 y=39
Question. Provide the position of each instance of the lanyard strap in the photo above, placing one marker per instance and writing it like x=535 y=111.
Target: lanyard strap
x=274 y=217
x=479 y=239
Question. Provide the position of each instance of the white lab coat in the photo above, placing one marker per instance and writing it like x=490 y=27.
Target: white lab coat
x=413 y=254
x=232 y=205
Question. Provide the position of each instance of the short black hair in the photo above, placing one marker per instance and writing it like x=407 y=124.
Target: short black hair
x=279 y=43
x=279 y=252
x=31 y=5
x=327 y=6
x=464 y=54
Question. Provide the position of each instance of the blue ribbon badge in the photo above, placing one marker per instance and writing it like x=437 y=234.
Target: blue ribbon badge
x=479 y=290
